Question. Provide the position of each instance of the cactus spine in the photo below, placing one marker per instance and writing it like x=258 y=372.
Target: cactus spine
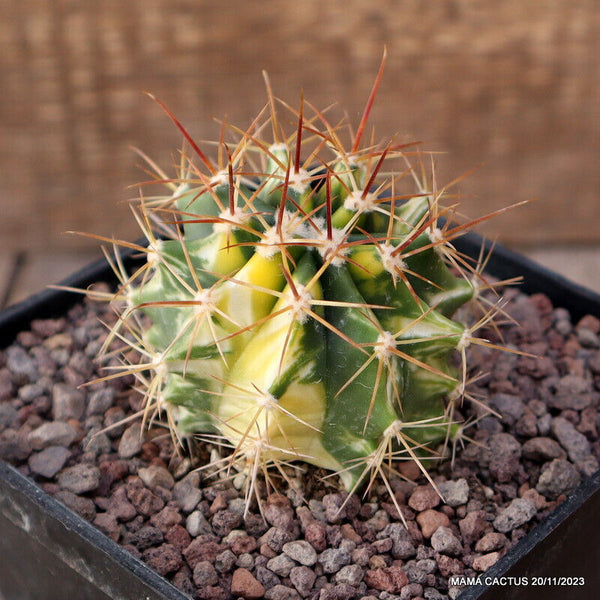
x=301 y=312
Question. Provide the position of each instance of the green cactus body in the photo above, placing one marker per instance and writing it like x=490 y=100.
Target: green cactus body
x=303 y=314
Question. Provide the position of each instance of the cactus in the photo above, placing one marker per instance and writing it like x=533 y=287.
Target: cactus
x=301 y=309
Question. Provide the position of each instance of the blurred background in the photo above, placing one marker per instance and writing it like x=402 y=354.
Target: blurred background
x=512 y=86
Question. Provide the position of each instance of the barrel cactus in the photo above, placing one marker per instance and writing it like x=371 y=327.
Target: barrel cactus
x=297 y=306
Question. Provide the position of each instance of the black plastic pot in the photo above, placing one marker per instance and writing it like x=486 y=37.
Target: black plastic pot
x=47 y=551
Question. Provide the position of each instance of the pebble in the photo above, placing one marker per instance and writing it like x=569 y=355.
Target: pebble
x=225 y=521
x=245 y=560
x=423 y=498
x=187 y=492
x=403 y=546
x=418 y=571
x=83 y=506
x=510 y=407
x=557 y=477
x=197 y=524
x=166 y=518
x=225 y=561
x=108 y=524
x=576 y=444
x=542 y=449
x=244 y=584
x=242 y=543
x=14 y=446
x=146 y=537
x=204 y=548
x=8 y=415
x=282 y=592
x=456 y=492
x=484 y=562
x=429 y=520
x=505 y=452
x=131 y=441
x=491 y=541
x=119 y=506
x=275 y=538
x=54 y=433
x=21 y=366
x=49 y=461
x=267 y=577
x=100 y=401
x=165 y=559
x=301 y=551
x=155 y=476
x=67 y=402
x=96 y=441
x=178 y=537
x=205 y=574
x=79 y=478
x=28 y=393
x=145 y=502
x=444 y=541
x=333 y=559
x=6 y=385
x=281 y=565
x=303 y=579
x=473 y=526
x=389 y=579
x=350 y=574
x=517 y=513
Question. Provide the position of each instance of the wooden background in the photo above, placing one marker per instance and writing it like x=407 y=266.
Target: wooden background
x=514 y=85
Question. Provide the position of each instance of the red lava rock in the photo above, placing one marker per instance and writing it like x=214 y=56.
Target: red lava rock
x=205 y=574
x=144 y=500
x=349 y=533
x=266 y=551
x=484 y=562
x=211 y=593
x=83 y=506
x=589 y=322
x=149 y=451
x=120 y=507
x=429 y=520
x=409 y=469
x=204 y=548
x=423 y=498
x=244 y=584
x=243 y=544
x=542 y=449
x=491 y=541
x=278 y=511
x=538 y=500
x=448 y=565
x=316 y=535
x=219 y=503
x=388 y=579
x=179 y=537
x=166 y=518
x=164 y=560
x=473 y=526
x=155 y=476
x=113 y=470
x=225 y=521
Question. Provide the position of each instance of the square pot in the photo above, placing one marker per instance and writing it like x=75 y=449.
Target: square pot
x=48 y=551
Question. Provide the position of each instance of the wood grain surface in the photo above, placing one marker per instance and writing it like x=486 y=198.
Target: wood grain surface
x=512 y=85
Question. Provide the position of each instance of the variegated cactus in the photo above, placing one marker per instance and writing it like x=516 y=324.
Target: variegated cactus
x=298 y=306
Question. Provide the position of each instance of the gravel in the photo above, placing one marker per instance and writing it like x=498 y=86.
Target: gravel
x=195 y=530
